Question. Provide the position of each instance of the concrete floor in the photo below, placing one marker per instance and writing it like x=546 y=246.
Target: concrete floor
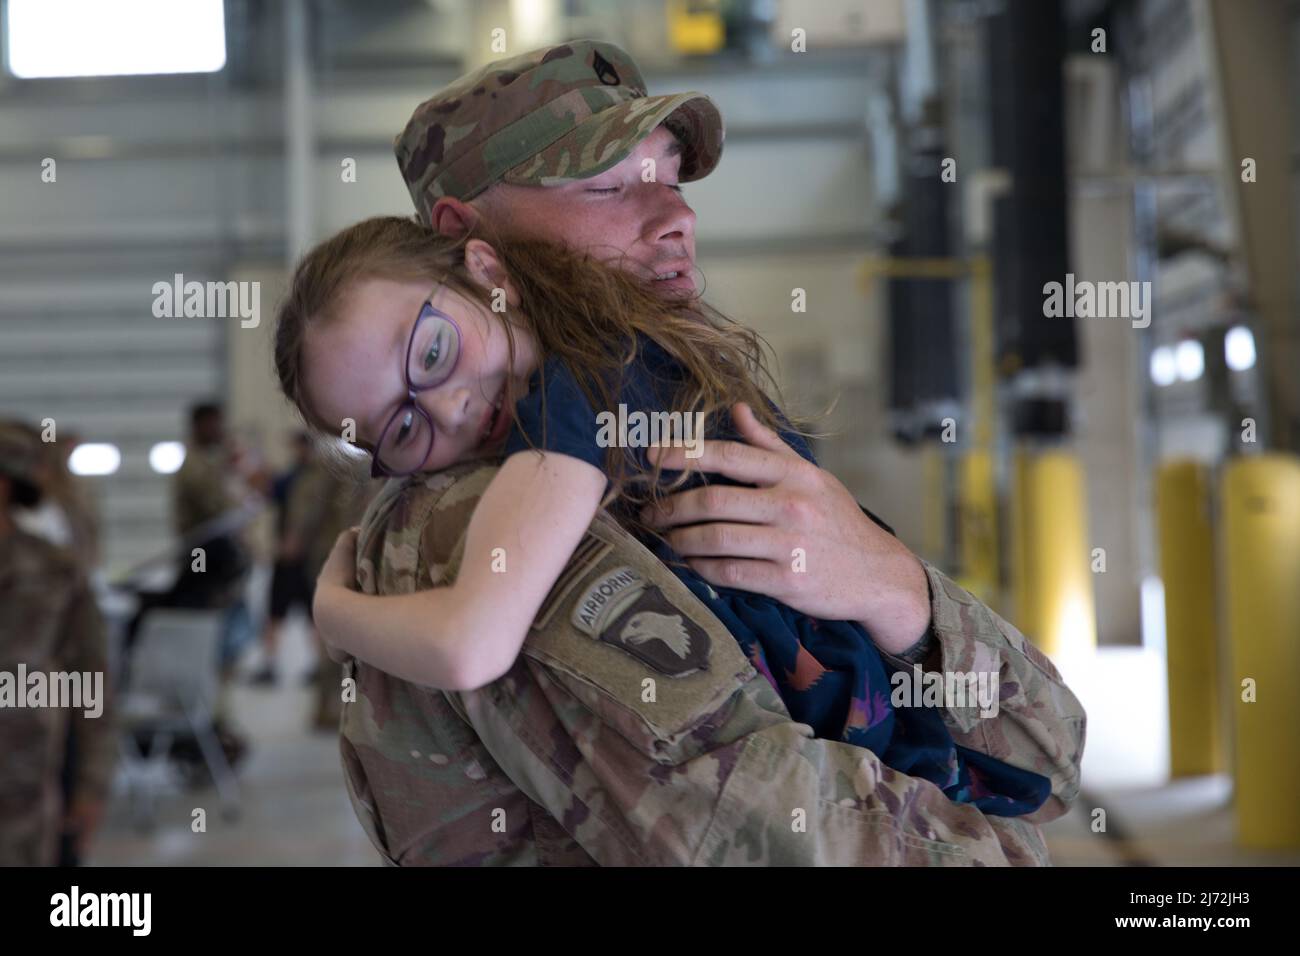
x=1184 y=823
x=295 y=811
x=294 y=808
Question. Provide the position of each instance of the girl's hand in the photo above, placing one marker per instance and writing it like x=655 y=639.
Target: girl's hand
x=339 y=573
x=340 y=568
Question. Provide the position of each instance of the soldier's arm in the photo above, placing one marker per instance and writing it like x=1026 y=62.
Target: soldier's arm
x=1040 y=725
x=741 y=784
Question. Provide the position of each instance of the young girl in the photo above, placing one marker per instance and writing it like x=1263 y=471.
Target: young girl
x=426 y=351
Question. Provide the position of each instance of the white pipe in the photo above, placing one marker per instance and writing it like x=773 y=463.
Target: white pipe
x=299 y=130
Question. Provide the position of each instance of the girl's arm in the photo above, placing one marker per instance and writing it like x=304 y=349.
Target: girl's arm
x=536 y=510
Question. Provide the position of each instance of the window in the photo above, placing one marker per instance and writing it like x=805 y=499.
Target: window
x=48 y=38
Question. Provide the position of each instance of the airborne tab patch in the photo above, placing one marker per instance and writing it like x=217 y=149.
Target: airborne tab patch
x=623 y=610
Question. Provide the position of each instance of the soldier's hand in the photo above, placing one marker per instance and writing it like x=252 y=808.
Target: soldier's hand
x=797 y=536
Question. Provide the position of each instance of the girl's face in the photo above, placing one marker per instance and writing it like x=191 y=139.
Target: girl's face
x=353 y=369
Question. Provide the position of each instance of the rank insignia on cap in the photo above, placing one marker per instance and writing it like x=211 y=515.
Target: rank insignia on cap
x=605 y=70
x=623 y=610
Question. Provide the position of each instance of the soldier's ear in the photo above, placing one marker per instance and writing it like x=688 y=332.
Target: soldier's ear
x=452 y=218
x=485 y=268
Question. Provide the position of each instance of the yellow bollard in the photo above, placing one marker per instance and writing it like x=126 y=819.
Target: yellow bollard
x=1053 y=582
x=695 y=26
x=1261 y=554
x=1191 y=618
x=979 y=526
x=934 y=509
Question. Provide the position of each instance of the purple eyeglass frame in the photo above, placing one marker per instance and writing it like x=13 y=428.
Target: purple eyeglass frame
x=377 y=468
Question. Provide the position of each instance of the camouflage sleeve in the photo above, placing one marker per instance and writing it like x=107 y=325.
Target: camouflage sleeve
x=86 y=651
x=644 y=767
x=1040 y=725
x=747 y=786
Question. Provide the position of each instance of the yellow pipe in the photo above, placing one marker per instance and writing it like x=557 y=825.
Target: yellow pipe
x=1053 y=573
x=934 y=529
x=977 y=484
x=1261 y=552
x=979 y=526
x=695 y=26
x=1191 y=618
x=981 y=345
x=914 y=267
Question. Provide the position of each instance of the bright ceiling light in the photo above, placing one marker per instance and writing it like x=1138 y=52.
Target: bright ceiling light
x=1189 y=357
x=46 y=38
x=166 y=457
x=1164 y=371
x=94 y=458
x=1239 y=348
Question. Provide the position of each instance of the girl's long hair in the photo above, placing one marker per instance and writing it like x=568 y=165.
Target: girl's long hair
x=578 y=310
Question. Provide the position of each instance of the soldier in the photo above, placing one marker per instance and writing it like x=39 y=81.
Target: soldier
x=290 y=584
x=50 y=626
x=564 y=760
x=206 y=503
x=201 y=493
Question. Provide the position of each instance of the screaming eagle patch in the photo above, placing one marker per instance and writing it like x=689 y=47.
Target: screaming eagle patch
x=622 y=609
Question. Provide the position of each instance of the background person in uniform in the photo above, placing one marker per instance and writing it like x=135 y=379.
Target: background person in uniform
x=214 y=481
x=291 y=586
x=203 y=490
x=211 y=484
x=50 y=624
x=68 y=518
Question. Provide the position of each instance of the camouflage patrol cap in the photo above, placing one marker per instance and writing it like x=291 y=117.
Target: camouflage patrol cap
x=18 y=459
x=543 y=118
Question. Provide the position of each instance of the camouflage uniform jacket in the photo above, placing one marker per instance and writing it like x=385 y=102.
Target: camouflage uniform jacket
x=591 y=749
x=50 y=624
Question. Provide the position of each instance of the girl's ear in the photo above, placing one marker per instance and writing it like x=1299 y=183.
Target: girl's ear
x=486 y=269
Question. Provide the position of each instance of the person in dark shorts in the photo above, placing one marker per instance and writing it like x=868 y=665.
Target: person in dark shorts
x=291 y=586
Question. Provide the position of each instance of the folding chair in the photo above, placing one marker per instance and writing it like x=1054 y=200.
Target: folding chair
x=172 y=690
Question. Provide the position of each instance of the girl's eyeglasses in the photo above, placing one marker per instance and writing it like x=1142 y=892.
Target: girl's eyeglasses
x=431 y=355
